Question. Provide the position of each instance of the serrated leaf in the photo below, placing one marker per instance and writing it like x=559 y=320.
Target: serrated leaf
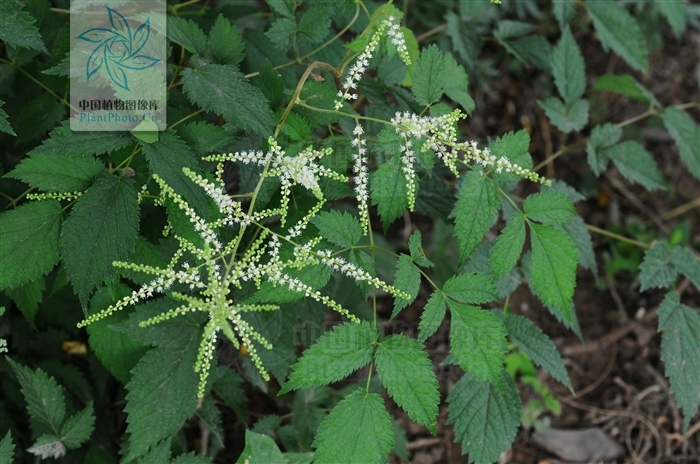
x=314 y=25
x=619 y=31
x=282 y=33
x=228 y=387
x=456 y=84
x=471 y=288
x=333 y=357
x=297 y=128
x=204 y=138
x=675 y=13
x=406 y=372
x=4 y=124
x=78 y=428
x=48 y=446
x=568 y=67
x=686 y=133
x=513 y=146
x=29 y=236
x=416 y=250
x=562 y=187
x=17 y=27
x=260 y=449
x=167 y=157
x=602 y=136
x=429 y=76
x=538 y=347
x=566 y=118
x=564 y=11
x=65 y=142
x=433 y=315
x=549 y=207
x=407 y=279
x=680 y=352
x=553 y=267
x=636 y=164
x=225 y=43
x=577 y=230
x=339 y=228
x=187 y=34
x=389 y=191
x=225 y=90
x=191 y=458
x=476 y=210
x=270 y=83
x=466 y=41
x=357 y=430
x=162 y=393
x=27 y=297
x=283 y=7
x=485 y=417
x=656 y=270
x=101 y=228
x=58 y=173
x=39 y=116
x=626 y=85
x=7 y=449
x=44 y=397
x=687 y=264
x=509 y=246
x=209 y=413
x=478 y=341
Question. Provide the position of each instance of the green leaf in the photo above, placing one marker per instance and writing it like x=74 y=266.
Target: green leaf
x=456 y=84
x=78 y=428
x=365 y=427
x=465 y=40
x=485 y=417
x=106 y=219
x=433 y=315
x=297 y=128
x=514 y=147
x=260 y=449
x=270 y=83
x=7 y=449
x=44 y=397
x=675 y=12
x=619 y=31
x=626 y=85
x=117 y=351
x=568 y=67
x=225 y=90
x=680 y=352
x=538 y=347
x=687 y=264
x=282 y=33
x=602 y=136
x=577 y=230
x=333 y=357
x=636 y=164
x=204 y=138
x=416 y=250
x=48 y=446
x=339 y=228
x=553 y=267
x=191 y=458
x=549 y=207
x=389 y=191
x=429 y=76
x=58 y=173
x=229 y=388
x=471 y=288
x=656 y=270
x=162 y=393
x=314 y=25
x=476 y=210
x=406 y=372
x=225 y=43
x=209 y=413
x=566 y=118
x=564 y=11
x=509 y=246
x=29 y=237
x=17 y=27
x=187 y=34
x=478 y=341
x=407 y=279
x=65 y=142
x=687 y=136
x=167 y=157
x=4 y=124
x=27 y=297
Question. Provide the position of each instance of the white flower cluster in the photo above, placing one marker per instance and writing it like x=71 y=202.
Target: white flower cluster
x=361 y=175
x=358 y=69
x=53 y=449
x=397 y=39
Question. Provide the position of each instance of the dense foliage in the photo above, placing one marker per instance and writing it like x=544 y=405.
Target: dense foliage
x=148 y=277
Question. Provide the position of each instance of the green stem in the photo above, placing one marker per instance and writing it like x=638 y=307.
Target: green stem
x=622 y=238
x=40 y=84
x=343 y=114
x=177 y=123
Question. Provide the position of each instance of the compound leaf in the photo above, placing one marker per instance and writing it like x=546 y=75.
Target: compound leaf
x=334 y=355
x=187 y=34
x=357 y=430
x=619 y=31
x=29 y=238
x=58 y=173
x=553 y=267
x=225 y=43
x=17 y=27
x=63 y=141
x=566 y=118
x=339 y=228
x=406 y=372
x=538 y=347
x=475 y=211
x=44 y=397
x=680 y=351
x=549 y=207
x=78 y=428
x=485 y=417
x=602 y=136
x=471 y=288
